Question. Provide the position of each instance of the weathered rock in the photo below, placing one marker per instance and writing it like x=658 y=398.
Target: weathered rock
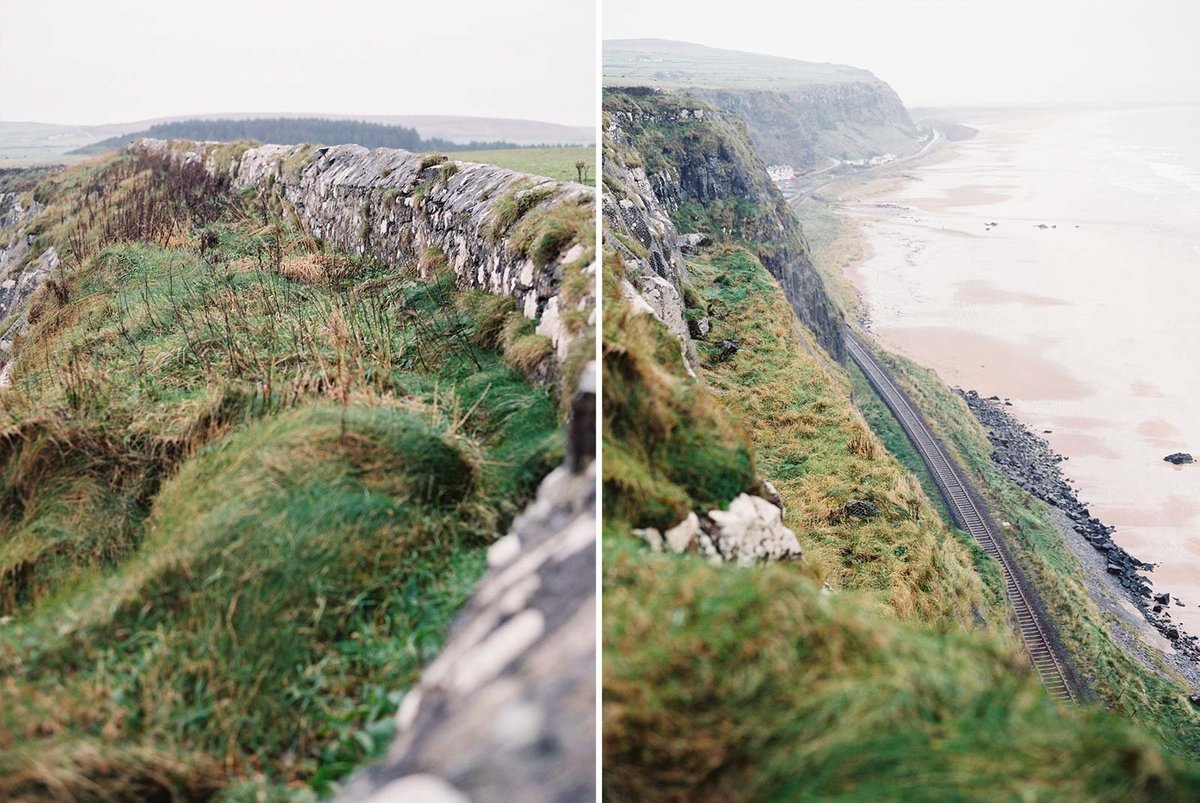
x=861 y=509
x=507 y=710
x=708 y=159
x=652 y=537
x=684 y=534
x=802 y=115
x=1028 y=461
x=1179 y=458
x=693 y=241
x=726 y=350
x=639 y=230
x=15 y=292
x=751 y=531
x=771 y=494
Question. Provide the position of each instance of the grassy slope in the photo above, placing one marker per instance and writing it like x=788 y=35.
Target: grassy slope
x=723 y=683
x=820 y=455
x=246 y=484
x=556 y=163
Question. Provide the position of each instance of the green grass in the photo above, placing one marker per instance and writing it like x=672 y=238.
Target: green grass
x=246 y=484
x=821 y=455
x=893 y=438
x=556 y=162
x=668 y=447
x=726 y=684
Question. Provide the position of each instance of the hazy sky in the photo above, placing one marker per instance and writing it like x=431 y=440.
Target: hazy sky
x=100 y=61
x=955 y=51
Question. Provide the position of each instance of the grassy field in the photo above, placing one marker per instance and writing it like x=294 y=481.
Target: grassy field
x=245 y=483
x=556 y=163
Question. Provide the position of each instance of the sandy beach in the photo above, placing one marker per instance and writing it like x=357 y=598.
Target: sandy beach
x=1054 y=260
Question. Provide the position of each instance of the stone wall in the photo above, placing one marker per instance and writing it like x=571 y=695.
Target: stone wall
x=507 y=711
x=394 y=206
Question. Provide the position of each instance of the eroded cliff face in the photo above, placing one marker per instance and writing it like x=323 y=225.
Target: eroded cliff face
x=502 y=232
x=799 y=113
x=806 y=127
x=638 y=229
x=681 y=159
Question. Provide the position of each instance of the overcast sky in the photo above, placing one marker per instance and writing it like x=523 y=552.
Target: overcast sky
x=955 y=51
x=103 y=61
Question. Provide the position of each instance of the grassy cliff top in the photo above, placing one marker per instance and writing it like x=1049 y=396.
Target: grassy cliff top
x=667 y=64
x=245 y=483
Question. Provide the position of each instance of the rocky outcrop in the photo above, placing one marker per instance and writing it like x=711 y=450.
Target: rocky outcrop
x=750 y=531
x=15 y=245
x=507 y=711
x=397 y=207
x=16 y=288
x=705 y=175
x=639 y=230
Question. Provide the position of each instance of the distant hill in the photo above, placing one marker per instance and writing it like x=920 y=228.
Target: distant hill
x=290 y=131
x=25 y=143
x=800 y=113
x=666 y=64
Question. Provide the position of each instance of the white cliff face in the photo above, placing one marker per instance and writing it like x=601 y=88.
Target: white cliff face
x=394 y=206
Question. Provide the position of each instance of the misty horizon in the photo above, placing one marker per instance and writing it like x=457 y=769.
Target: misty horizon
x=89 y=65
x=1025 y=53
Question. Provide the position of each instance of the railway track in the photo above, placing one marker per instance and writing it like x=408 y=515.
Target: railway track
x=971 y=516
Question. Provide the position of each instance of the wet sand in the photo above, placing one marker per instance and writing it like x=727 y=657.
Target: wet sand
x=1088 y=325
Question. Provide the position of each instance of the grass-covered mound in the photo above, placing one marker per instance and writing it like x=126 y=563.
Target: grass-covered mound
x=817 y=450
x=246 y=482
x=751 y=684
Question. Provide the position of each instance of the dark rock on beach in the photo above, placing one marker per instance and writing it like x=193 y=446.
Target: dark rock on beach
x=1027 y=460
x=1179 y=458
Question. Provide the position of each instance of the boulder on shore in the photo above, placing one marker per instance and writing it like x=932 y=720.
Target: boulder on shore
x=1179 y=458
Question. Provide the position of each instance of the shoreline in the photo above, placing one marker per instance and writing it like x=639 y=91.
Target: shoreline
x=1028 y=461
x=1110 y=574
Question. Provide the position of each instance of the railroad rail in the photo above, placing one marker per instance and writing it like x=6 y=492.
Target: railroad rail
x=970 y=515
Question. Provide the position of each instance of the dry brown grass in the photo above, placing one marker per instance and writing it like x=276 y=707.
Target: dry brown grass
x=316 y=268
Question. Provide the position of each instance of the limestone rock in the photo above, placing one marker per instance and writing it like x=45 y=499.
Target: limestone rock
x=751 y=531
x=683 y=535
